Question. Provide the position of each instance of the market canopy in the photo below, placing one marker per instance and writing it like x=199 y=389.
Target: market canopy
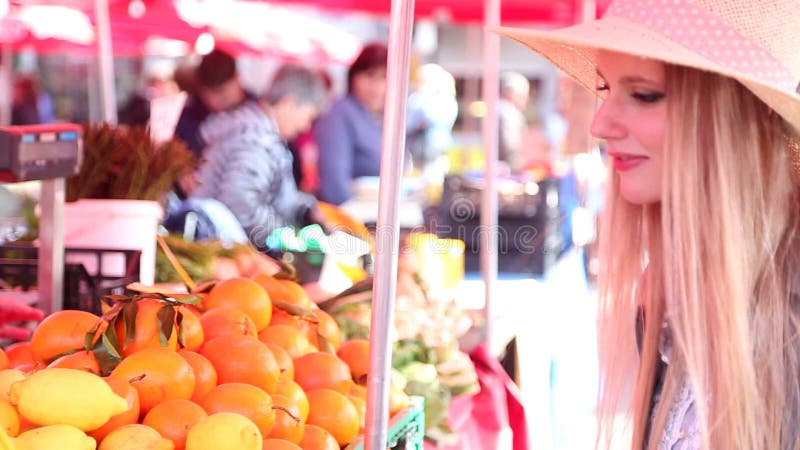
x=550 y=12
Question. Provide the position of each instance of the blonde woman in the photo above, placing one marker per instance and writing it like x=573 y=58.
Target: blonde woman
x=700 y=238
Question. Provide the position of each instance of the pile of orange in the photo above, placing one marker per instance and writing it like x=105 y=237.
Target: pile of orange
x=238 y=351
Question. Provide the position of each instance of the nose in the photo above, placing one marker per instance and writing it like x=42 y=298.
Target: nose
x=606 y=123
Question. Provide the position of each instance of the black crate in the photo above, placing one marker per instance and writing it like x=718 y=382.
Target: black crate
x=82 y=290
x=529 y=223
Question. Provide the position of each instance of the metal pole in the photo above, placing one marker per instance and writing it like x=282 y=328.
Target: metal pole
x=105 y=56
x=51 y=247
x=489 y=226
x=387 y=232
x=6 y=78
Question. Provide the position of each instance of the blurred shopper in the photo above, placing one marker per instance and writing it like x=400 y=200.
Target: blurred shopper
x=25 y=103
x=349 y=133
x=432 y=112
x=305 y=150
x=700 y=240
x=247 y=165
x=157 y=84
x=514 y=94
x=217 y=89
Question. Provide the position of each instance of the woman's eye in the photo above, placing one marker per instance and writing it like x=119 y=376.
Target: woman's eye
x=648 y=97
x=602 y=87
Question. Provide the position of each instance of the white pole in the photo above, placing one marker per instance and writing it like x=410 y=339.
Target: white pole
x=7 y=84
x=105 y=56
x=489 y=226
x=387 y=232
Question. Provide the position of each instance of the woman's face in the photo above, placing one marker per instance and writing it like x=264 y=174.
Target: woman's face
x=369 y=87
x=632 y=120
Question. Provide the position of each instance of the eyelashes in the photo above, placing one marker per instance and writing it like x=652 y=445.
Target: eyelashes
x=643 y=97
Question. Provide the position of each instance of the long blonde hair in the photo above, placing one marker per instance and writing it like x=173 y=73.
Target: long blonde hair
x=714 y=261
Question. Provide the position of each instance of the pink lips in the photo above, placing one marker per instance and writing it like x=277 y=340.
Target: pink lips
x=623 y=161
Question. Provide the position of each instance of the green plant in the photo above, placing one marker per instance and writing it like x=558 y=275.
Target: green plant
x=125 y=163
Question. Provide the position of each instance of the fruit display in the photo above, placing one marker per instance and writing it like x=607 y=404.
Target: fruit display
x=242 y=363
x=426 y=359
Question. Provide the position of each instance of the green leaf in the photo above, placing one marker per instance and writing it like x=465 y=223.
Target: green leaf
x=189 y=299
x=107 y=356
x=181 y=333
x=295 y=310
x=129 y=313
x=68 y=352
x=114 y=298
x=288 y=271
x=166 y=322
x=325 y=345
x=204 y=287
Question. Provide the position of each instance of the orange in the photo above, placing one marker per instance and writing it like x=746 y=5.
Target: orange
x=280 y=317
x=158 y=374
x=320 y=370
x=279 y=444
x=285 y=362
x=191 y=329
x=282 y=290
x=205 y=376
x=318 y=438
x=61 y=332
x=287 y=420
x=327 y=328
x=244 y=360
x=3 y=359
x=227 y=320
x=289 y=338
x=83 y=360
x=361 y=407
x=333 y=412
x=358 y=391
x=124 y=389
x=147 y=328
x=244 y=399
x=244 y=294
x=355 y=353
x=296 y=396
x=173 y=419
x=25 y=425
x=21 y=354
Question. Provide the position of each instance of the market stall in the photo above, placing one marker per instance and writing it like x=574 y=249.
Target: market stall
x=377 y=415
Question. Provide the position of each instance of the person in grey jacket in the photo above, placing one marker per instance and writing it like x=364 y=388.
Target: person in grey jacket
x=246 y=163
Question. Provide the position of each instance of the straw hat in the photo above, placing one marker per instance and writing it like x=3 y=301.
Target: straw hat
x=754 y=41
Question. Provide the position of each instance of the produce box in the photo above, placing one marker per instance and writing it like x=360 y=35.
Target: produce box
x=406 y=429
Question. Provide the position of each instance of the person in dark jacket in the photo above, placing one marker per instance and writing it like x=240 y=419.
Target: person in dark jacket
x=247 y=165
x=217 y=89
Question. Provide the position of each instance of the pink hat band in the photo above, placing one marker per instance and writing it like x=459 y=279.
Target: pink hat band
x=706 y=34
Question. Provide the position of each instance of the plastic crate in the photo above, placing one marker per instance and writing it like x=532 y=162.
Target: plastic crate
x=406 y=428
x=82 y=289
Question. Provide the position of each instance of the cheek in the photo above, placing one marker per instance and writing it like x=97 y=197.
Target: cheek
x=650 y=131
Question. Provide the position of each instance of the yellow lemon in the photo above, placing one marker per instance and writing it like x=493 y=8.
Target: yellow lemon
x=9 y=419
x=7 y=378
x=224 y=431
x=62 y=437
x=66 y=396
x=135 y=437
x=6 y=443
